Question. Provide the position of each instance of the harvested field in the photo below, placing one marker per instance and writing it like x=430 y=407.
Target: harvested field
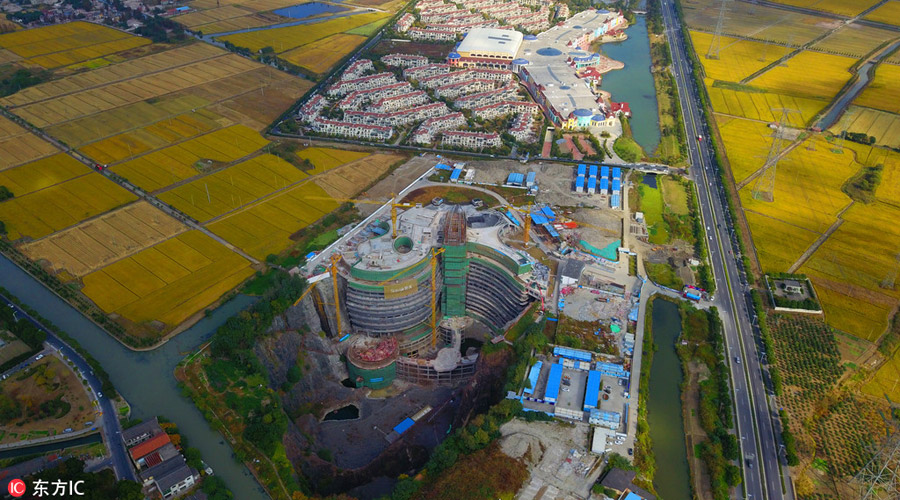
x=759 y=105
x=319 y=56
x=853 y=264
x=674 y=195
x=18 y=146
x=854 y=40
x=885 y=127
x=886 y=380
x=176 y=163
x=101 y=241
x=266 y=227
x=65 y=44
x=738 y=58
x=328 y=158
x=843 y=7
x=807 y=186
x=888 y=13
x=757 y=22
x=746 y=144
x=233 y=187
x=882 y=92
x=291 y=37
x=168 y=282
x=808 y=74
x=346 y=181
x=778 y=244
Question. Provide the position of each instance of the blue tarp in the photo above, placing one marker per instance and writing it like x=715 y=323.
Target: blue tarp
x=553 y=382
x=548 y=212
x=592 y=393
x=593 y=171
x=310 y=255
x=568 y=352
x=530 y=178
x=515 y=178
x=604 y=184
x=512 y=218
x=581 y=169
x=633 y=314
x=533 y=377
x=441 y=166
x=345 y=337
x=456 y=173
x=604 y=171
x=617 y=173
x=404 y=426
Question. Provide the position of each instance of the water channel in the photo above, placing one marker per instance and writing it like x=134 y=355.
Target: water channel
x=309 y=9
x=634 y=83
x=146 y=379
x=664 y=416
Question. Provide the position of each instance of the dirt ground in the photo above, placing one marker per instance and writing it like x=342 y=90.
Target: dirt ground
x=431 y=50
x=394 y=183
x=57 y=380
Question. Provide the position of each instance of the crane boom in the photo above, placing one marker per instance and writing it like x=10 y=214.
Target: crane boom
x=434 y=254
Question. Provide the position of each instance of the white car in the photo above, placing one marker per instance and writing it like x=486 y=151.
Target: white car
x=39 y=357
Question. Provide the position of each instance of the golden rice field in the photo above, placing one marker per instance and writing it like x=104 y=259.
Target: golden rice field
x=854 y=40
x=18 y=146
x=888 y=13
x=889 y=189
x=319 y=56
x=348 y=180
x=843 y=7
x=291 y=37
x=808 y=74
x=807 y=186
x=327 y=158
x=266 y=227
x=179 y=162
x=760 y=105
x=229 y=189
x=60 y=197
x=100 y=241
x=885 y=127
x=778 y=244
x=852 y=264
x=94 y=100
x=168 y=282
x=746 y=144
x=883 y=91
x=755 y=21
x=66 y=44
x=158 y=135
x=738 y=58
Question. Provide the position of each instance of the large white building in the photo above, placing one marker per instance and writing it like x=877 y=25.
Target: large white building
x=487 y=48
x=471 y=140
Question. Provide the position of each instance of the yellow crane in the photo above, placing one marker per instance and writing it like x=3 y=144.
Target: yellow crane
x=394 y=206
x=335 y=259
x=527 y=226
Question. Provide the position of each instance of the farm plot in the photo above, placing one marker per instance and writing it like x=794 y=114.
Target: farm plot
x=778 y=244
x=854 y=40
x=807 y=186
x=91 y=101
x=346 y=181
x=231 y=188
x=44 y=211
x=42 y=174
x=738 y=58
x=757 y=105
x=889 y=189
x=327 y=158
x=126 y=70
x=160 y=134
x=266 y=227
x=18 y=146
x=168 y=282
x=808 y=74
x=842 y=7
x=98 y=242
x=291 y=37
x=176 y=163
x=757 y=22
x=319 y=56
x=883 y=90
x=884 y=127
x=886 y=380
x=746 y=144
x=888 y=13
x=851 y=265
x=65 y=44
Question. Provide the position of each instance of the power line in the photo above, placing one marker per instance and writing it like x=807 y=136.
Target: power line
x=716 y=42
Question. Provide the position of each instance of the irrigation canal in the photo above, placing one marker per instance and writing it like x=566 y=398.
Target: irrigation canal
x=146 y=378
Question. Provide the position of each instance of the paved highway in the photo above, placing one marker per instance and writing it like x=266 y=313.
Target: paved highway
x=111 y=428
x=762 y=462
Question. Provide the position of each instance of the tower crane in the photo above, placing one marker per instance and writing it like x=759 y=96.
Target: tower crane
x=527 y=226
x=394 y=206
x=335 y=259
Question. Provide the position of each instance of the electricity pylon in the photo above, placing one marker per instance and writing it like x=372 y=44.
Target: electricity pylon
x=716 y=42
x=879 y=479
x=764 y=187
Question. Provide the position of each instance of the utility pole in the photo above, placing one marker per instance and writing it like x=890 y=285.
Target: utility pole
x=716 y=42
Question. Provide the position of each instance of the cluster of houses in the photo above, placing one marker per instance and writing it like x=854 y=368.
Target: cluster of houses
x=431 y=97
x=444 y=22
x=159 y=463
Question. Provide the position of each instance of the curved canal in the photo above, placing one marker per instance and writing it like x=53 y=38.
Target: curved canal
x=146 y=379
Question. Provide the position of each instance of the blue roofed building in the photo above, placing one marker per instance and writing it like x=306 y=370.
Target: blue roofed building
x=404 y=426
x=604 y=185
x=579 y=184
x=592 y=185
x=533 y=377
x=454 y=176
x=548 y=213
x=530 y=178
x=582 y=168
x=616 y=173
x=592 y=392
x=604 y=171
x=515 y=179
x=553 y=383
x=593 y=171
x=615 y=201
x=568 y=352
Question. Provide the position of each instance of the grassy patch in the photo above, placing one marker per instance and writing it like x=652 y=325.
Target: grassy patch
x=675 y=196
x=367 y=29
x=628 y=149
x=651 y=203
x=663 y=274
